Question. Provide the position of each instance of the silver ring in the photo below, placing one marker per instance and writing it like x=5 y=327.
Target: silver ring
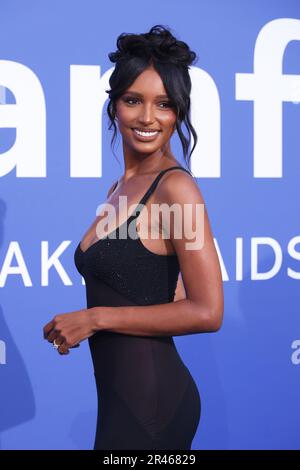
x=55 y=345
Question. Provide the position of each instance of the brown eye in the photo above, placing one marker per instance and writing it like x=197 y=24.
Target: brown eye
x=167 y=104
x=130 y=100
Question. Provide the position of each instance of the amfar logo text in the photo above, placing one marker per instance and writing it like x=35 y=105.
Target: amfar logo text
x=267 y=87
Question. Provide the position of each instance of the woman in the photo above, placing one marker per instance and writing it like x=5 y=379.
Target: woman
x=136 y=299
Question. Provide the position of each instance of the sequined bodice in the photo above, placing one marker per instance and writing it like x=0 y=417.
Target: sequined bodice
x=122 y=271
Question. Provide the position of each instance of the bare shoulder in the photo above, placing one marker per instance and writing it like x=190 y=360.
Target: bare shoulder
x=179 y=186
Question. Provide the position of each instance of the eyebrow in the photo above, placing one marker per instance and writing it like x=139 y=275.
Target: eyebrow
x=141 y=95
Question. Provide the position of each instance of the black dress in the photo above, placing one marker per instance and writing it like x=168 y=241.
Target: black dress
x=147 y=398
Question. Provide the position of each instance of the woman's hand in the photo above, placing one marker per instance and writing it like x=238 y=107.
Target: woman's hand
x=68 y=329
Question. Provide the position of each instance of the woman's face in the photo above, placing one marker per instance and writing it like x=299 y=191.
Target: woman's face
x=145 y=106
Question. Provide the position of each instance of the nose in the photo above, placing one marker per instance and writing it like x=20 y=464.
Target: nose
x=146 y=116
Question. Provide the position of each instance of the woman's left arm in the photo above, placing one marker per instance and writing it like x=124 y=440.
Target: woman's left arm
x=201 y=310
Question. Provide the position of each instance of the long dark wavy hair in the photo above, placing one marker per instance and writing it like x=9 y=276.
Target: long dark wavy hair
x=170 y=58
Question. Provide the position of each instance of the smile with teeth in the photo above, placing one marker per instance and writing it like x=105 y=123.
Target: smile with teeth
x=145 y=134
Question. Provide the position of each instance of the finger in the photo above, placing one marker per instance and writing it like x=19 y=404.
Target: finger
x=63 y=348
x=57 y=342
x=64 y=353
x=52 y=336
x=47 y=328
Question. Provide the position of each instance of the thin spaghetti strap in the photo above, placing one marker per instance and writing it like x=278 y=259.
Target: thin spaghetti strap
x=155 y=183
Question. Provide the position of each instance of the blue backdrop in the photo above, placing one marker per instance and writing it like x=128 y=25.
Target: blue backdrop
x=56 y=167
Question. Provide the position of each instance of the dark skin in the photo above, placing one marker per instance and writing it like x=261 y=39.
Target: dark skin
x=198 y=303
